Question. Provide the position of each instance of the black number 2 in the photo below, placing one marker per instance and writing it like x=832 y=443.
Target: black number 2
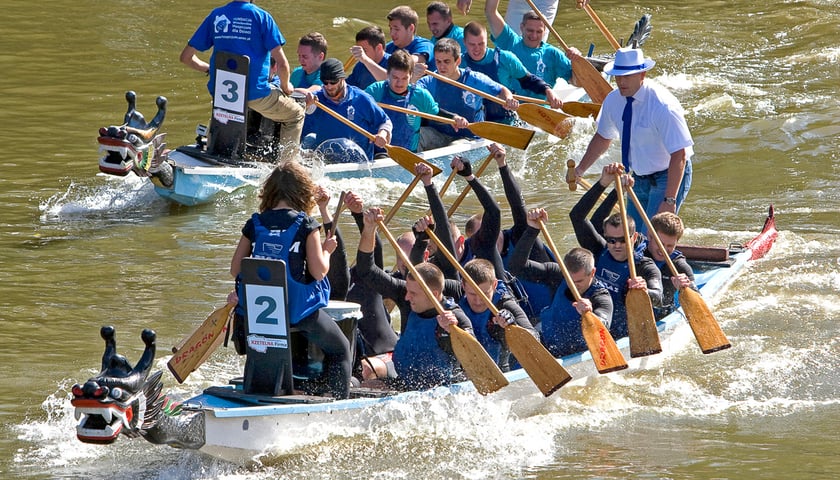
x=264 y=316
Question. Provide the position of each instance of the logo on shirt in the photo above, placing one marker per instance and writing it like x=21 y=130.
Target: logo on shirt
x=540 y=68
x=272 y=248
x=351 y=112
x=609 y=279
x=221 y=24
x=471 y=99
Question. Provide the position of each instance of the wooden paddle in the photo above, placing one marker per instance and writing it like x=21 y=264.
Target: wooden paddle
x=402 y=156
x=706 y=329
x=479 y=367
x=498 y=132
x=578 y=109
x=571 y=177
x=605 y=353
x=338 y=209
x=445 y=186
x=401 y=200
x=545 y=371
x=350 y=63
x=603 y=28
x=641 y=323
x=551 y=121
x=195 y=349
x=466 y=190
x=589 y=77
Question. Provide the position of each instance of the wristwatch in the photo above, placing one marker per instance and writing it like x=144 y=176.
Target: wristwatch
x=670 y=200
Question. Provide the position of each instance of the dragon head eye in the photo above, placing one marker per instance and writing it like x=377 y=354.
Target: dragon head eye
x=117 y=393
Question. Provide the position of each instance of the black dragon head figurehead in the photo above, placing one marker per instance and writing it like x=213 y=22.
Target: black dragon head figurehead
x=135 y=145
x=121 y=398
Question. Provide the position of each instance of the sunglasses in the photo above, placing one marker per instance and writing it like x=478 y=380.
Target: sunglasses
x=614 y=240
x=330 y=82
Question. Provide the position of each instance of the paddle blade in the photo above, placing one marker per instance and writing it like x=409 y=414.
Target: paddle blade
x=516 y=137
x=550 y=121
x=582 y=109
x=641 y=324
x=479 y=367
x=199 y=345
x=706 y=329
x=408 y=159
x=590 y=79
x=546 y=372
x=605 y=353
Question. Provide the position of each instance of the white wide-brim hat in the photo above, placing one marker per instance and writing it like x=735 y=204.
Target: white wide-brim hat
x=627 y=62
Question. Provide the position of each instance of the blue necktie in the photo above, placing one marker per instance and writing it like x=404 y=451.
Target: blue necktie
x=626 y=118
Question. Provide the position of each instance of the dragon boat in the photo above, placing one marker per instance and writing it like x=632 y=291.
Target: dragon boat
x=233 y=423
x=237 y=149
x=194 y=174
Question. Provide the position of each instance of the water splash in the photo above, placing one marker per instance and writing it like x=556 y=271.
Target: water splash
x=117 y=195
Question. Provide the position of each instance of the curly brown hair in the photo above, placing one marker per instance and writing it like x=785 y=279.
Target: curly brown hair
x=289 y=182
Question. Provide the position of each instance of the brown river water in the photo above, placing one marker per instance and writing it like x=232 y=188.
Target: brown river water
x=759 y=81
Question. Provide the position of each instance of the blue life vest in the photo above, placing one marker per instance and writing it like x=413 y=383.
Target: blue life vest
x=538 y=294
x=669 y=302
x=303 y=298
x=561 y=329
x=614 y=275
x=418 y=359
x=480 y=321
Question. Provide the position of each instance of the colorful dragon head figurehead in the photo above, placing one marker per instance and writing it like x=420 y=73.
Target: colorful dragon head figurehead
x=135 y=145
x=120 y=399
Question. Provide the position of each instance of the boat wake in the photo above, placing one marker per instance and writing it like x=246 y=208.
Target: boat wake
x=128 y=193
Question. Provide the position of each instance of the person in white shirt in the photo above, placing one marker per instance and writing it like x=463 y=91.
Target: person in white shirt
x=656 y=143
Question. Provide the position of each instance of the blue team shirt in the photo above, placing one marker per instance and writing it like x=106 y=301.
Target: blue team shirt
x=361 y=76
x=406 y=132
x=455 y=33
x=356 y=106
x=418 y=46
x=300 y=79
x=545 y=61
x=459 y=101
x=244 y=29
x=500 y=65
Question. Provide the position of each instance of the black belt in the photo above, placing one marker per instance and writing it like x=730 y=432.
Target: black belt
x=648 y=176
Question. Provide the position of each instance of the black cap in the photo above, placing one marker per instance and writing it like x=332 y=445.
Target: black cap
x=332 y=69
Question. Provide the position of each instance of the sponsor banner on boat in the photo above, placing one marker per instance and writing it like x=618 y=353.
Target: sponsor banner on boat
x=262 y=344
x=224 y=116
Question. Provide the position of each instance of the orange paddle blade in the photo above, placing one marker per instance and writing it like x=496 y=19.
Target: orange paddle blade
x=641 y=323
x=706 y=329
x=605 y=353
x=477 y=364
x=582 y=109
x=546 y=372
x=199 y=344
x=550 y=121
x=408 y=160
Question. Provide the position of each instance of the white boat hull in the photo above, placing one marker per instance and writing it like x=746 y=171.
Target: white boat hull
x=240 y=433
x=198 y=181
